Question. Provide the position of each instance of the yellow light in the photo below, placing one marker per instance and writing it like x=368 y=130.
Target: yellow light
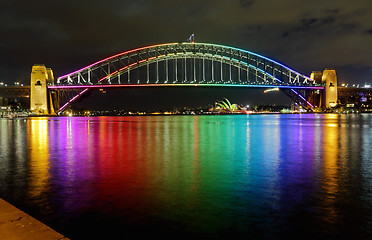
x=272 y=89
x=39 y=165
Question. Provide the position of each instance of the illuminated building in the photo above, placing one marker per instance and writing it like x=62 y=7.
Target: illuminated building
x=226 y=106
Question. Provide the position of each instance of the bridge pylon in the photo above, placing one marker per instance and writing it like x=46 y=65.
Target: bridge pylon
x=329 y=80
x=328 y=97
x=40 y=100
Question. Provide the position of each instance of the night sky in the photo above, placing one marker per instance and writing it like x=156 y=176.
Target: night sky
x=304 y=35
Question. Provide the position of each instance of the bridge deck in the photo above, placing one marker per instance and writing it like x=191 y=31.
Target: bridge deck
x=15 y=91
x=182 y=85
x=353 y=91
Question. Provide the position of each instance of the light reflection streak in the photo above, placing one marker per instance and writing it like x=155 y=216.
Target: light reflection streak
x=330 y=167
x=196 y=157
x=39 y=154
x=18 y=144
x=366 y=162
x=5 y=143
x=271 y=147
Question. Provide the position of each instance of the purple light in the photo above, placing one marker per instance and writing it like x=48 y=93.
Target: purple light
x=302 y=98
x=114 y=56
x=73 y=99
x=181 y=85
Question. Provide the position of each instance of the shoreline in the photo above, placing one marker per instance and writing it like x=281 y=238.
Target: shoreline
x=16 y=224
x=180 y=114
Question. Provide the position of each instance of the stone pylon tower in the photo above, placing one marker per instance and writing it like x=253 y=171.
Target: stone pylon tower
x=329 y=80
x=41 y=77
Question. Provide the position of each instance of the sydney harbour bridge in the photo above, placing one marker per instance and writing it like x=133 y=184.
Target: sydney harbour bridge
x=187 y=64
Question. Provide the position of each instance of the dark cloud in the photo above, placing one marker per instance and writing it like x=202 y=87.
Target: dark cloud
x=246 y=3
x=285 y=34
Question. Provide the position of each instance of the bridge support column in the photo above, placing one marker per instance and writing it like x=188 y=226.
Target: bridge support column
x=328 y=78
x=40 y=99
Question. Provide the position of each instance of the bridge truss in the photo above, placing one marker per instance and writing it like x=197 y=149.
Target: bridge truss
x=183 y=64
x=15 y=92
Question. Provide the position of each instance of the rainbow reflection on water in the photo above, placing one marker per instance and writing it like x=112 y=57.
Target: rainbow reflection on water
x=268 y=176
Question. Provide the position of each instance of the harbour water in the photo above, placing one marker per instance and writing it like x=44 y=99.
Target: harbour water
x=206 y=177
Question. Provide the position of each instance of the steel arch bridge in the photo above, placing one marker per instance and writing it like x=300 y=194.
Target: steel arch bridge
x=182 y=64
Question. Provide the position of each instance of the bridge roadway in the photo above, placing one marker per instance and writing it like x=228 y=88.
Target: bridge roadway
x=353 y=92
x=181 y=85
x=15 y=92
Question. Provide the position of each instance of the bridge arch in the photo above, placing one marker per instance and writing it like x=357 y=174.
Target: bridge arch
x=182 y=64
x=112 y=68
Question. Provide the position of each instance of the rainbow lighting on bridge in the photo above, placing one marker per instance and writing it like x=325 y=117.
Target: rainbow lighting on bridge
x=186 y=64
